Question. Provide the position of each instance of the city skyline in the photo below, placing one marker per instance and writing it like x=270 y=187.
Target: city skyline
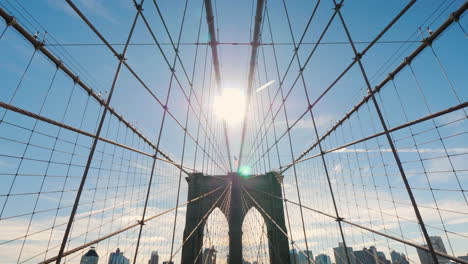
x=365 y=255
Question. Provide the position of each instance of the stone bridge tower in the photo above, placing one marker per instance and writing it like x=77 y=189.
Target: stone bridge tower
x=262 y=188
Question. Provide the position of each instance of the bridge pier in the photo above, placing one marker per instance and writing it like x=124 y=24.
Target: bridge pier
x=235 y=221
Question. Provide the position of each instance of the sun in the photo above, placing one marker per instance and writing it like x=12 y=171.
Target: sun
x=230 y=106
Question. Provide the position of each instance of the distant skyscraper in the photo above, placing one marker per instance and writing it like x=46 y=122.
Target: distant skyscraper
x=293 y=257
x=340 y=254
x=91 y=257
x=323 y=259
x=382 y=259
x=154 y=258
x=117 y=257
x=209 y=256
x=304 y=256
x=373 y=251
x=366 y=256
x=398 y=258
x=426 y=258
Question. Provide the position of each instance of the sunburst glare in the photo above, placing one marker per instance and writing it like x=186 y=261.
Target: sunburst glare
x=230 y=106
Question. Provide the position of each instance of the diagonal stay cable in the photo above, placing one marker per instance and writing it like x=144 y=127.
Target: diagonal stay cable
x=250 y=229
x=253 y=59
x=40 y=47
x=296 y=50
x=88 y=134
x=130 y=69
x=192 y=92
x=343 y=73
x=71 y=251
x=270 y=108
x=161 y=130
x=210 y=234
x=436 y=33
x=201 y=221
x=391 y=143
x=410 y=243
x=216 y=65
x=175 y=47
x=276 y=224
x=202 y=114
x=454 y=17
x=408 y=124
x=269 y=238
x=96 y=139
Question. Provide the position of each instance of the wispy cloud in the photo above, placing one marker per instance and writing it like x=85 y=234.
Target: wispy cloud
x=405 y=150
x=321 y=121
x=94 y=7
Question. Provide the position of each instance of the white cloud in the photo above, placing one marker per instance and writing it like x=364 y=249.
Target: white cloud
x=337 y=169
x=95 y=7
x=322 y=121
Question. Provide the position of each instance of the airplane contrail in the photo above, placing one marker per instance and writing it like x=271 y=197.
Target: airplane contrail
x=265 y=85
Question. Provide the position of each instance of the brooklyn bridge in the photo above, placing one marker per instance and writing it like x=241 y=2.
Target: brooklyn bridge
x=248 y=131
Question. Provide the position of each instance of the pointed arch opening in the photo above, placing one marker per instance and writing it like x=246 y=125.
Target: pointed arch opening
x=254 y=240
x=215 y=247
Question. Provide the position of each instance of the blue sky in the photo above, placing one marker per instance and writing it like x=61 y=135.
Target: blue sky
x=364 y=176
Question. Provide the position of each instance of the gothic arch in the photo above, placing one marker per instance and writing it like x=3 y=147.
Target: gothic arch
x=255 y=244
x=215 y=236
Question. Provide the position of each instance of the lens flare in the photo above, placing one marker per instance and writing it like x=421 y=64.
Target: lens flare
x=244 y=171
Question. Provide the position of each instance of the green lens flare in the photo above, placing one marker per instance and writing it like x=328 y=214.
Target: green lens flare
x=244 y=171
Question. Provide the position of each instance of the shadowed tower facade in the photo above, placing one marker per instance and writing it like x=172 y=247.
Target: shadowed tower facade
x=261 y=191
